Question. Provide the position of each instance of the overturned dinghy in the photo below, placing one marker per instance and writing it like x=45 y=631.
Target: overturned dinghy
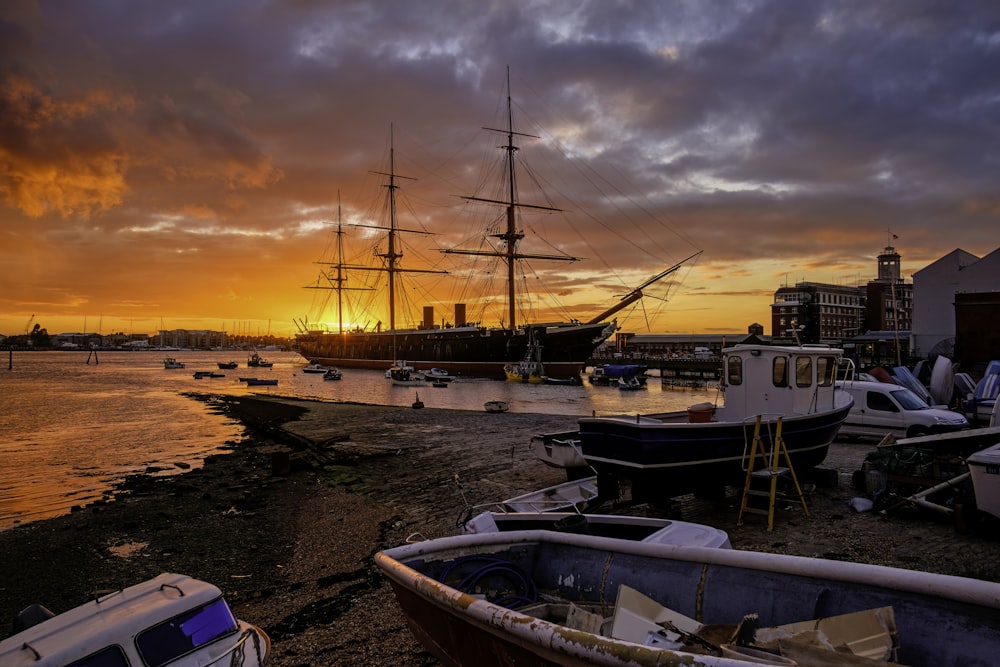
x=170 y=619
x=540 y=597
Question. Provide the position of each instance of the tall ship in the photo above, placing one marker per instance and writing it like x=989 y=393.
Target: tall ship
x=458 y=346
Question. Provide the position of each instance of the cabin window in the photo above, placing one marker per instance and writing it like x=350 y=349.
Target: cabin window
x=779 y=372
x=826 y=371
x=803 y=371
x=734 y=370
x=112 y=656
x=182 y=634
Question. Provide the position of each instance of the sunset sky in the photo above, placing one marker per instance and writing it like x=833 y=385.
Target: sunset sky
x=180 y=162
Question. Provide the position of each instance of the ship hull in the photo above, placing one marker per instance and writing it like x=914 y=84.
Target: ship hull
x=459 y=350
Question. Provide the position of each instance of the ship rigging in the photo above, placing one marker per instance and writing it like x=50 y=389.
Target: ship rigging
x=461 y=346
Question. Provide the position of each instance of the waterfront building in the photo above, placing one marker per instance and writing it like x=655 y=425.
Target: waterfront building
x=936 y=300
x=191 y=338
x=818 y=312
x=826 y=313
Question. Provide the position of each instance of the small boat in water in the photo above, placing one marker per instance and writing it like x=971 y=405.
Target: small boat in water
x=170 y=619
x=400 y=376
x=631 y=384
x=171 y=363
x=571 y=381
x=438 y=375
x=530 y=368
x=314 y=367
x=208 y=374
x=496 y=406
x=227 y=365
x=541 y=597
x=257 y=361
x=259 y=382
x=609 y=374
x=333 y=374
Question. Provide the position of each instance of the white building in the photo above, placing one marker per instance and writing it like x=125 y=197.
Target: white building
x=934 y=289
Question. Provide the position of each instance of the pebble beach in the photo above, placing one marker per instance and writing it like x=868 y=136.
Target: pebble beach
x=287 y=520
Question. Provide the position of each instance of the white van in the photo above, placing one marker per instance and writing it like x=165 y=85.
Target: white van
x=881 y=408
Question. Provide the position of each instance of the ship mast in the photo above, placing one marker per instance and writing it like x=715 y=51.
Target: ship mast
x=338 y=282
x=511 y=236
x=392 y=255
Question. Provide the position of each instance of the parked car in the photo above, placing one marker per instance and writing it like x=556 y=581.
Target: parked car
x=881 y=408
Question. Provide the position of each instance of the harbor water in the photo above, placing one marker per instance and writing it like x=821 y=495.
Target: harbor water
x=73 y=424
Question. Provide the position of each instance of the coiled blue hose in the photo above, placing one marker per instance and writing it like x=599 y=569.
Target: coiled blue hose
x=495 y=566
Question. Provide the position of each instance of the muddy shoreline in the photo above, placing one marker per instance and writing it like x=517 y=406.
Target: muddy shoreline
x=286 y=522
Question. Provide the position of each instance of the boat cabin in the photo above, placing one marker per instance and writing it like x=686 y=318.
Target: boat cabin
x=777 y=380
x=170 y=619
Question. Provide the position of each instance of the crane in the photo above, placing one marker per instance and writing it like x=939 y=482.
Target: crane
x=27 y=326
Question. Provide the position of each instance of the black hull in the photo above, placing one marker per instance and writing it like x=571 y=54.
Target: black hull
x=672 y=459
x=461 y=350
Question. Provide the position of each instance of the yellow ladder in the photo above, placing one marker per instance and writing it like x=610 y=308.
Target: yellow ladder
x=770 y=472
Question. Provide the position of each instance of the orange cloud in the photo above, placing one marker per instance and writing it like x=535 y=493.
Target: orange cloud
x=76 y=186
x=40 y=169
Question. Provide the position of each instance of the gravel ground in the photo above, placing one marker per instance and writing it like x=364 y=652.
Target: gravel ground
x=286 y=523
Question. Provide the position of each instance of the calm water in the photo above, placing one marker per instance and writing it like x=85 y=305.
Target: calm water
x=69 y=430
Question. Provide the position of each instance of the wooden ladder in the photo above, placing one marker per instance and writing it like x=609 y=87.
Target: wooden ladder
x=769 y=473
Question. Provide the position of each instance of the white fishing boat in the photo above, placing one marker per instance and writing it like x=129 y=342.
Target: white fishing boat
x=707 y=446
x=496 y=406
x=170 y=619
x=541 y=597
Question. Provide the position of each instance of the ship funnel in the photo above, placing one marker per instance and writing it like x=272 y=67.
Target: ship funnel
x=460 y=315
